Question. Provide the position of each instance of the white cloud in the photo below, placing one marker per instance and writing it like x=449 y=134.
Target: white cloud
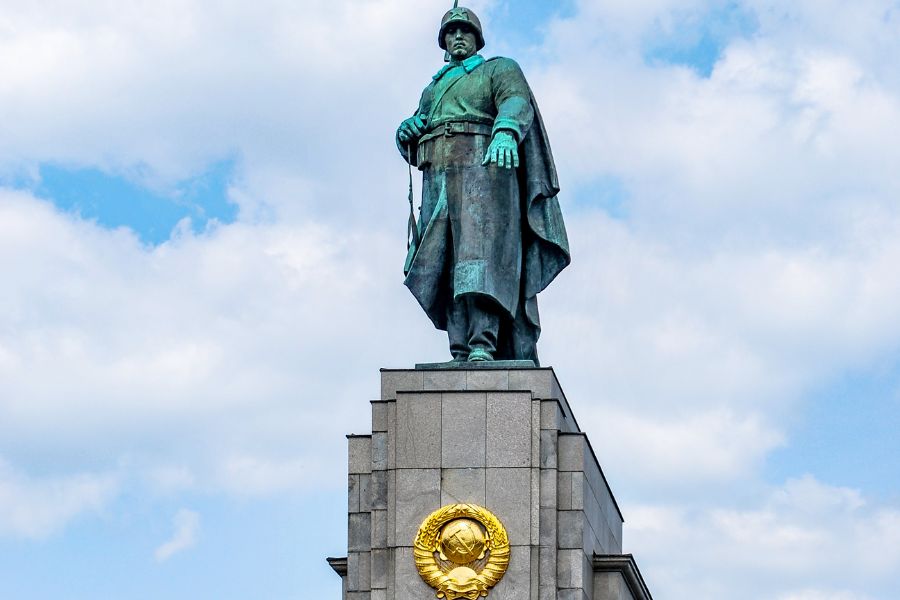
x=236 y=343
x=187 y=526
x=693 y=365
x=787 y=141
x=800 y=532
x=168 y=479
x=713 y=446
x=35 y=508
x=813 y=594
x=296 y=92
x=251 y=476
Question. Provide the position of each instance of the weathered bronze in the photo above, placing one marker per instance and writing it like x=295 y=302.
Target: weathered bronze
x=490 y=234
x=462 y=551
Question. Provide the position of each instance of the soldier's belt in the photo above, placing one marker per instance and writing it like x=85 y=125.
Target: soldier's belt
x=452 y=128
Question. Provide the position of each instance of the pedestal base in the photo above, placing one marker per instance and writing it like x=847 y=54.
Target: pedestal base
x=500 y=438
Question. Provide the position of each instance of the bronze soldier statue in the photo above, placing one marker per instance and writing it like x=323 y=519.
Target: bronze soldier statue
x=490 y=234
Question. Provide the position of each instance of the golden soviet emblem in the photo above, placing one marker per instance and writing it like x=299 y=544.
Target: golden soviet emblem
x=462 y=551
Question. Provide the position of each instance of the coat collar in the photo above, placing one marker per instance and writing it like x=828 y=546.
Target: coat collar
x=470 y=64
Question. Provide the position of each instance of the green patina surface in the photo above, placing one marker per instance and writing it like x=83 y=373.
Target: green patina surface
x=490 y=234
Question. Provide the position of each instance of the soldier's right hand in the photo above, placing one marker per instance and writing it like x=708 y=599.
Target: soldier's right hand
x=411 y=129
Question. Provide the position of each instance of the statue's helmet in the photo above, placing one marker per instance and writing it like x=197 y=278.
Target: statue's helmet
x=459 y=15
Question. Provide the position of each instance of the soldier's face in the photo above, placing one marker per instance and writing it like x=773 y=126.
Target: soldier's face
x=460 y=41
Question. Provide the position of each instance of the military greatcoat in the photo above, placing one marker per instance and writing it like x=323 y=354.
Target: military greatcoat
x=485 y=230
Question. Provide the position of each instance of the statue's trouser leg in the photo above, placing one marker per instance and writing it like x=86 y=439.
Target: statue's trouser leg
x=472 y=323
x=458 y=329
x=484 y=324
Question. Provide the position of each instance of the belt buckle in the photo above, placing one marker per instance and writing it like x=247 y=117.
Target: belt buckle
x=451 y=128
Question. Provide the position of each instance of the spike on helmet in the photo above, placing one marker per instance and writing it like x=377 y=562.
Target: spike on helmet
x=461 y=15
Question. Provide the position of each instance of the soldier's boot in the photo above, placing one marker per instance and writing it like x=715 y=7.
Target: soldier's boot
x=472 y=327
x=458 y=330
x=484 y=326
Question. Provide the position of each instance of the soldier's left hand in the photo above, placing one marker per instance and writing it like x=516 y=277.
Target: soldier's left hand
x=503 y=151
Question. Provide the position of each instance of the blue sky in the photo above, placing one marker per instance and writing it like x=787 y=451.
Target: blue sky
x=202 y=220
x=119 y=200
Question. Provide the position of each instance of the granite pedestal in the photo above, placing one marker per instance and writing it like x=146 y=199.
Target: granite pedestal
x=502 y=438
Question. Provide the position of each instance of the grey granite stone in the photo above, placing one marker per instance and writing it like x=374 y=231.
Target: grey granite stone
x=360 y=454
x=597 y=541
x=445 y=381
x=406 y=381
x=379 y=490
x=365 y=493
x=616 y=545
x=509 y=498
x=611 y=543
x=548 y=527
x=392 y=436
x=611 y=586
x=523 y=458
x=463 y=423
x=463 y=486
x=508 y=430
x=593 y=512
x=408 y=585
x=613 y=518
x=359 y=532
x=358 y=571
x=392 y=509
x=353 y=571
x=571 y=452
x=571 y=529
x=418 y=495
x=379 y=571
x=540 y=382
x=605 y=542
x=577 y=490
x=600 y=509
x=379 y=451
x=587 y=574
x=392 y=575
x=547 y=564
x=551 y=415
x=418 y=431
x=592 y=473
x=548 y=482
x=516 y=583
x=601 y=515
x=488 y=380
x=379 y=416
x=570 y=568
x=379 y=529
x=601 y=490
x=353 y=493
x=616 y=532
x=535 y=506
x=564 y=485
x=365 y=571
x=548 y=449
